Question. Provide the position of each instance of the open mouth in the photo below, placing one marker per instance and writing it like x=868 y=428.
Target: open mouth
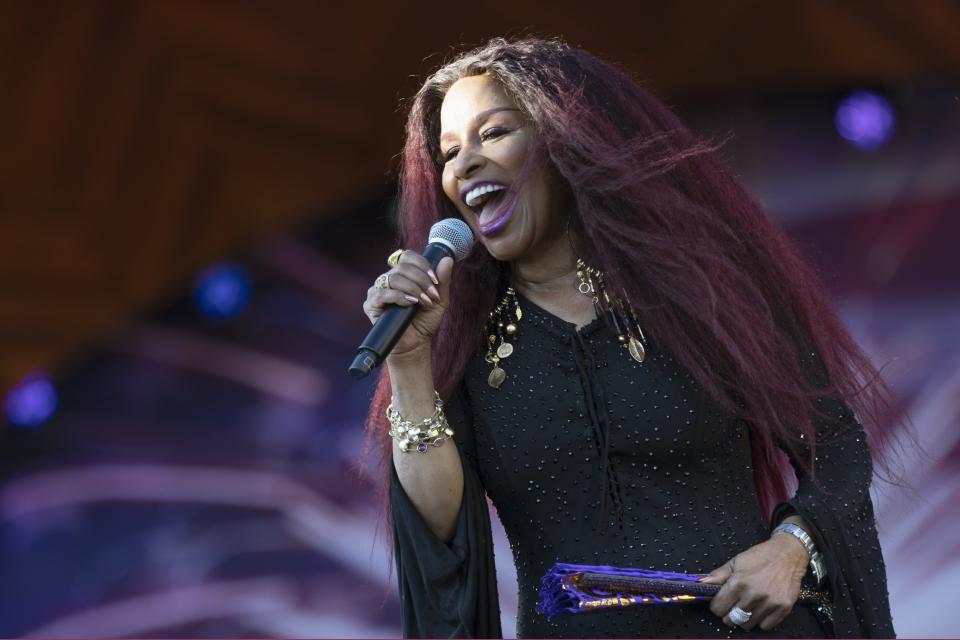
x=488 y=202
x=495 y=214
x=481 y=192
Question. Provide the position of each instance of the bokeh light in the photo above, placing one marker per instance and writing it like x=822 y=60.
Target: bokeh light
x=865 y=120
x=31 y=402
x=222 y=291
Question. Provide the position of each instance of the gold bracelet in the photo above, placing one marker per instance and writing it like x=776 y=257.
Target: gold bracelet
x=417 y=436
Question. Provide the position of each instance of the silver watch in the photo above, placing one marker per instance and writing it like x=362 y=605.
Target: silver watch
x=817 y=565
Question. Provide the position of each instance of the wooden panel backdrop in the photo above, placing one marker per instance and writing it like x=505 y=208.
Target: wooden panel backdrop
x=142 y=140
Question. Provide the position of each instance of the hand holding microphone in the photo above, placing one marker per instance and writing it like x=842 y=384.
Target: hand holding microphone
x=407 y=303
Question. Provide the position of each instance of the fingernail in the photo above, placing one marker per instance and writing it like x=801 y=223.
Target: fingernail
x=434 y=293
x=411 y=298
x=426 y=299
x=433 y=276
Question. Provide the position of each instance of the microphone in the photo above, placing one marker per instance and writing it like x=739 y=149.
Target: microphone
x=449 y=237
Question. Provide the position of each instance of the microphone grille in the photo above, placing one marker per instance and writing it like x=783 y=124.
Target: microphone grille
x=454 y=233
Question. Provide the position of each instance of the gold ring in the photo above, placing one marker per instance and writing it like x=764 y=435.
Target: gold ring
x=382 y=281
x=394 y=258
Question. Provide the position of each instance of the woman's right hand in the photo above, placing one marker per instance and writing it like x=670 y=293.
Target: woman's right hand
x=412 y=282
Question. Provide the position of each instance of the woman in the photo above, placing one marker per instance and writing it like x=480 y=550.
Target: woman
x=626 y=355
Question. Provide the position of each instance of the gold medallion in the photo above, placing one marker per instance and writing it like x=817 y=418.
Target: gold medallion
x=504 y=350
x=496 y=377
x=637 y=352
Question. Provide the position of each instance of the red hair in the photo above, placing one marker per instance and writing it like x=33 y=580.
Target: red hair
x=716 y=282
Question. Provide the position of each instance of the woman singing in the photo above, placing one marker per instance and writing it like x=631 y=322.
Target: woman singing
x=633 y=362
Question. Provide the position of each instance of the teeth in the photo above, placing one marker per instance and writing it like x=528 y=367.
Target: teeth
x=474 y=194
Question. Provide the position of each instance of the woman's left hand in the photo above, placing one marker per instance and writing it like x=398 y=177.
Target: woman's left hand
x=763 y=580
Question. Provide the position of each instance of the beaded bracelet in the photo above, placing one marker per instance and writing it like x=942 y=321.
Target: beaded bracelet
x=416 y=436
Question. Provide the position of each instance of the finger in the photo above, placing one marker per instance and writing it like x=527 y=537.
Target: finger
x=725 y=598
x=763 y=607
x=399 y=298
x=771 y=622
x=728 y=596
x=718 y=575
x=379 y=298
x=755 y=604
x=445 y=269
x=746 y=626
x=414 y=259
x=400 y=282
x=774 y=617
x=418 y=276
x=445 y=275
x=757 y=614
x=373 y=312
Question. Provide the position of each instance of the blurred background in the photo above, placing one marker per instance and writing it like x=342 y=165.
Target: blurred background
x=195 y=196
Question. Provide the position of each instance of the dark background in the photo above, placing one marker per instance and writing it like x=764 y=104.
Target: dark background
x=194 y=197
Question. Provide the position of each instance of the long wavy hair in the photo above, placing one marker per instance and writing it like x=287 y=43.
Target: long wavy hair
x=716 y=281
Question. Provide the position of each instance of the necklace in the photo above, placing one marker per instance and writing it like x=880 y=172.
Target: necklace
x=500 y=326
x=504 y=321
x=621 y=315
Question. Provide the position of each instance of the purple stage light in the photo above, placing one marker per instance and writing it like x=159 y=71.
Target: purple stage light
x=222 y=291
x=865 y=119
x=31 y=402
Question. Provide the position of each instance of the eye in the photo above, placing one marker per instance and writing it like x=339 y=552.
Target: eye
x=450 y=154
x=493 y=133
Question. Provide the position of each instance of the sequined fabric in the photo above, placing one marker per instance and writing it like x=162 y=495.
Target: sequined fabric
x=592 y=458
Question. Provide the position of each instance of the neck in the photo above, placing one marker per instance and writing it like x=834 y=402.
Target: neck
x=544 y=276
x=552 y=270
x=550 y=281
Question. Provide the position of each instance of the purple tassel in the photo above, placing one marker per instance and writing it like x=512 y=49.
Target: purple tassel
x=561 y=592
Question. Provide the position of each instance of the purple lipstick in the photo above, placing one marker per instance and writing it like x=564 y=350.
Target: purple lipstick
x=495 y=210
x=493 y=227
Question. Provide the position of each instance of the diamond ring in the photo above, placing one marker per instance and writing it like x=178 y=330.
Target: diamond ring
x=738 y=616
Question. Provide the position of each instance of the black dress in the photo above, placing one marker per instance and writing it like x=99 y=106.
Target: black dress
x=592 y=458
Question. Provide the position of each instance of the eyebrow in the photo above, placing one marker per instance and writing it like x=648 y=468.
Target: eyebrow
x=480 y=117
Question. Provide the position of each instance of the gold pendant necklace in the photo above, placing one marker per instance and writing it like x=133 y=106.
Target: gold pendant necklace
x=619 y=313
x=504 y=322
x=500 y=326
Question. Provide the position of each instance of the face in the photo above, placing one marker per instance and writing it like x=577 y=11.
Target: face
x=485 y=141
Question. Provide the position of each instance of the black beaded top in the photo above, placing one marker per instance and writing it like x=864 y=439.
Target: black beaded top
x=592 y=458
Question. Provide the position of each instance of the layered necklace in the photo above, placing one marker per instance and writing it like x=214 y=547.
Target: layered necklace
x=504 y=322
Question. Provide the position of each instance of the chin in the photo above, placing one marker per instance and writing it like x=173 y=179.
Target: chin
x=502 y=247
x=508 y=242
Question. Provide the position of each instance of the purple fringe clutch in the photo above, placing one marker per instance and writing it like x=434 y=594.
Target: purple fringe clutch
x=576 y=588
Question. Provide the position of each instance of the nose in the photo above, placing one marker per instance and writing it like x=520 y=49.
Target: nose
x=468 y=162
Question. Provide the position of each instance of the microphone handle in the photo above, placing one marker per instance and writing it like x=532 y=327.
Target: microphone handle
x=391 y=324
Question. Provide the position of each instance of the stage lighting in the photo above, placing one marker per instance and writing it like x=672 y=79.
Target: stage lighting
x=31 y=402
x=865 y=120
x=222 y=291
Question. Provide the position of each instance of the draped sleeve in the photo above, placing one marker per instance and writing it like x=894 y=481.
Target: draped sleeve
x=836 y=503
x=447 y=590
